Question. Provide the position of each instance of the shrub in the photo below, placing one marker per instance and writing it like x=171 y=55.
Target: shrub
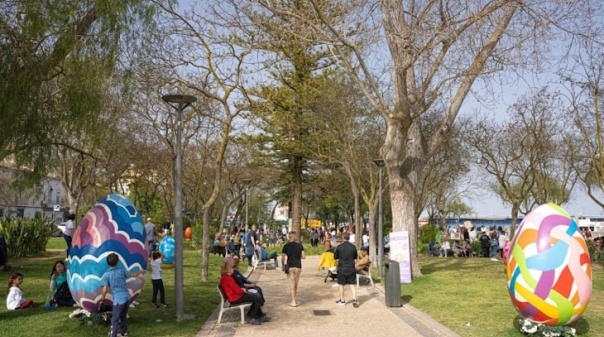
x=595 y=253
x=25 y=236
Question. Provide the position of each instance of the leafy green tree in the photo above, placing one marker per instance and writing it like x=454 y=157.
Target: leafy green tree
x=285 y=108
x=54 y=55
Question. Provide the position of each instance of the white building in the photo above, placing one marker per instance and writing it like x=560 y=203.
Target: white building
x=281 y=212
x=47 y=199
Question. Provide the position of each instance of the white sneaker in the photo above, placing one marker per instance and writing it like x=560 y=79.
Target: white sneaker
x=493 y=259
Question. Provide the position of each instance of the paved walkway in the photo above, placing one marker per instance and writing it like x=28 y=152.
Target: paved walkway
x=319 y=315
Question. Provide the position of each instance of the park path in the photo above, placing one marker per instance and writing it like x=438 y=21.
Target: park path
x=319 y=315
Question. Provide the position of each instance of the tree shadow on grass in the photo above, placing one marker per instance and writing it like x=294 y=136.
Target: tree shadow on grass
x=459 y=264
x=406 y=298
x=581 y=325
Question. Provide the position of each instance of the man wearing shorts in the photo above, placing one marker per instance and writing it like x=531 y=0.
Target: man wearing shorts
x=293 y=254
x=346 y=254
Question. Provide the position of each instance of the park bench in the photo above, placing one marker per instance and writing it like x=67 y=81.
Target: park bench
x=225 y=305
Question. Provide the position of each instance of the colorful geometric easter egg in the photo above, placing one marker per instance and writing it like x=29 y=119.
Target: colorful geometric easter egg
x=549 y=270
x=167 y=247
x=113 y=225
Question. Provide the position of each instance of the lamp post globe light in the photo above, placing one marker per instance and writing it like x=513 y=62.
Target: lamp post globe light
x=179 y=102
x=380 y=163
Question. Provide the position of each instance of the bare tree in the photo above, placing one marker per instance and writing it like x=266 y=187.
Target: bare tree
x=527 y=155
x=203 y=59
x=436 y=52
x=584 y=79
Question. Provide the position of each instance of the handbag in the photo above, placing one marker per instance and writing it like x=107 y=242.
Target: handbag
x=286 y=268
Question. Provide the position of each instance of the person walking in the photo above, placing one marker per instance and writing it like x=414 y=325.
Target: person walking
x=346 y=254
x=68 y=231
x=291 y=262
x=151 y=232
x=250 y=244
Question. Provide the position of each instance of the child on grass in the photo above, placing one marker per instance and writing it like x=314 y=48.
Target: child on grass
x=14 y=299
x=156 y=280
x=115 y=279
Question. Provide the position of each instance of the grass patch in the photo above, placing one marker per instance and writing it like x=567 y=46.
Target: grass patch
x=457 y=291
x=200 y=300
x=56 y=243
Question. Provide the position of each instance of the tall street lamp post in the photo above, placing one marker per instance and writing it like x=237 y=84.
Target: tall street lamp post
x=380 y=164
x=179 y=102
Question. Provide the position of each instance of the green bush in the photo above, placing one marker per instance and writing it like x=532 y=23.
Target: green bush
x=476 y=247
x=25 y=236
x=595 y=253
x=428 y=233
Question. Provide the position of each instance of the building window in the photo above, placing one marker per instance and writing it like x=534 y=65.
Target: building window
x=49 y=197
x=58 y=198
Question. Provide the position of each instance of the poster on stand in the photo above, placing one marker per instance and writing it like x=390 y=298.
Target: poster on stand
x=399 y=251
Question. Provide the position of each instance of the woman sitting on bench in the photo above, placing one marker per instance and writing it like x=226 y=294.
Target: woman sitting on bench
x=237 y=295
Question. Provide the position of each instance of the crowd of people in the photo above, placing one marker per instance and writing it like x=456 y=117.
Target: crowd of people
x=240 y=245
x=493 y=242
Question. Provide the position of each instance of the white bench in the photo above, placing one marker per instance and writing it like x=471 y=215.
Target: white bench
x=225 y=305
x=256 y=261
x=365 y=276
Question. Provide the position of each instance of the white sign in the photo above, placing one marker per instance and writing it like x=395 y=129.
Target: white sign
x=57 y=208
x=399 y=251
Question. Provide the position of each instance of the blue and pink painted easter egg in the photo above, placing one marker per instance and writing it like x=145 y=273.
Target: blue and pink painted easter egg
x=113 y=225
x=549 y=269
x=167 y=246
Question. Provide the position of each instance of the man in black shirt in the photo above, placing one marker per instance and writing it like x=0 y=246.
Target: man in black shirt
x=293 y=254
x=346 y=254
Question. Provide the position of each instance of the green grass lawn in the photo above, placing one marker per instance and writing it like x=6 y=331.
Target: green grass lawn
x=201 y=299
x=452 y=291
x=56 y=243
x=456 y=291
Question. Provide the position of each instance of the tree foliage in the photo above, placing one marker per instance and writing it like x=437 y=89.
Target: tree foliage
x=57 y=57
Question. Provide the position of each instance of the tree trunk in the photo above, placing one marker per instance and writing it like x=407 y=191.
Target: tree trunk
x=515 y=210
x=372 y=229
x=297 y=195
x=402 y=155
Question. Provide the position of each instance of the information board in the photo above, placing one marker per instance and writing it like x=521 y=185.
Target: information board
x=399 y=251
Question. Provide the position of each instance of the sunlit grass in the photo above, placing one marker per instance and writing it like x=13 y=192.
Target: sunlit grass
x=201 y=299
x=459 y=291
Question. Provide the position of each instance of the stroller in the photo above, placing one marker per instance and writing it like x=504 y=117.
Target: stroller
x=328 y=262
x=331 y=273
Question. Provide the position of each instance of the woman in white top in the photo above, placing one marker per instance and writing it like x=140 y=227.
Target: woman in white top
x=69 y=231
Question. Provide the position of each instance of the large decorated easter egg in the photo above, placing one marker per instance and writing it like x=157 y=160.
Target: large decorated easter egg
x=112 y=226
x=549 y=270
x=167 y=246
